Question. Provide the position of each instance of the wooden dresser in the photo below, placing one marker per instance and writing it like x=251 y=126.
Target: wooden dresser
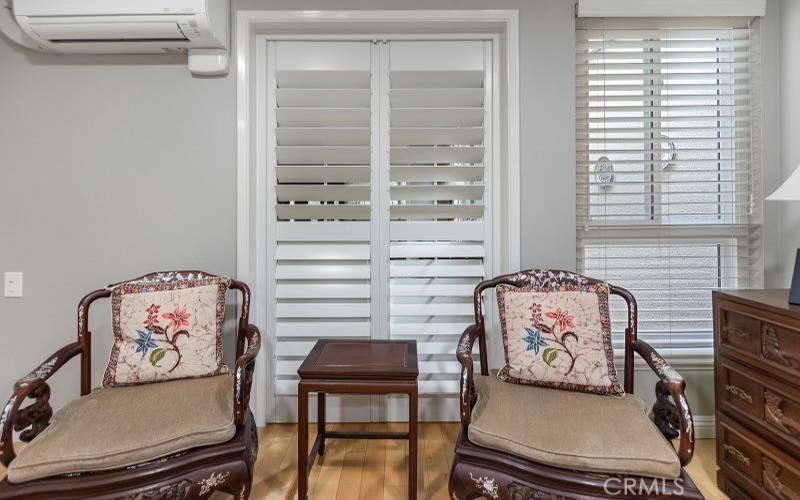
x=757 y=381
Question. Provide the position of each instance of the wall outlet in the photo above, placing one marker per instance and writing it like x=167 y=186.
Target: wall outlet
x=12 y=284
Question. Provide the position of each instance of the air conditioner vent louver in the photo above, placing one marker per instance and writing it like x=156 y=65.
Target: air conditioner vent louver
x=78 y=32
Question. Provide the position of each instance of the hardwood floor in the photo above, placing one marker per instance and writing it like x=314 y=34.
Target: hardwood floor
x=374 y=470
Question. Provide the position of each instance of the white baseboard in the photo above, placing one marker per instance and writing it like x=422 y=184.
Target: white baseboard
x=704 y=426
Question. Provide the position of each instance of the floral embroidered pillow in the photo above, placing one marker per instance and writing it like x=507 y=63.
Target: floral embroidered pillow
x=166 y=329
x=558 y=337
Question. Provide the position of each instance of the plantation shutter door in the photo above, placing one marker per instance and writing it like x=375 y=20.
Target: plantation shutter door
x=668 y=172
x=321 y=92
x=439 y=149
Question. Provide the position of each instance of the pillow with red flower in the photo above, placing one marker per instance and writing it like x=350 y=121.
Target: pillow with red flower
x=166 y=328
x=557 y=334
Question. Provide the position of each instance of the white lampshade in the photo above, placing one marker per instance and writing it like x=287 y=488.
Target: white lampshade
x=789 y=190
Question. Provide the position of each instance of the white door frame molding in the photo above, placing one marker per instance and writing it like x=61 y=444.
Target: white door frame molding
x=252 y=28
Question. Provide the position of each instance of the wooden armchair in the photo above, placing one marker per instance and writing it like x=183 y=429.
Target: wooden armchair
x=496 y=473
x=185 y=473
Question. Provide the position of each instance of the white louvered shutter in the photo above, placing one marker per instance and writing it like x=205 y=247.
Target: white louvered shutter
x=378 y=171
x=438 y=174
x=322 y=133
x=668 y=172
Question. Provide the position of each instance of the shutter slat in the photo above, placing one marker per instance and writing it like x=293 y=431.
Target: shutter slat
x=432 y=290
x=310 y=212
x=322 y=117
x=443 y=211
x=439 y=310
x=309 y=192
x=323 y=271
x=322 y=136
x=436 y=97
x=317 y=155
x=421 y=154
x=404 y=329
x=329 y=173
x=323 y=231
x=322 y=79
x=322 y=328
x=436 y=231
x=438 y=269
x=437 y=192
x=322 y=310
x=405 y=136
x=322 y=251
x=436 y=173
x=290 y=348
x=437 y=117
x=322 y=98
x=445 y=79
x=326 y=291
x=416 y=250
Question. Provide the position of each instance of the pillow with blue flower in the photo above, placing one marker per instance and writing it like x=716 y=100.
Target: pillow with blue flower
x=558 y=337
x=166 y=329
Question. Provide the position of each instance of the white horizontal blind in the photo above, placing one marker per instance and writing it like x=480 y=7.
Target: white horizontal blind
x=437 y=231
x=322 y=167
x=668 y=170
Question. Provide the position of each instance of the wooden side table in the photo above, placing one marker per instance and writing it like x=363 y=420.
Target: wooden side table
x=356 y=367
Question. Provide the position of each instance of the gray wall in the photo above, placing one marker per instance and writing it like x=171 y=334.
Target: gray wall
x=109 y=167
x=789 y=131
x=114 y=166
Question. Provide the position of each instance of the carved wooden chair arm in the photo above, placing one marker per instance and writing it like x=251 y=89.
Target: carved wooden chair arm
x=37 y=414
x=243 y=376
x=464 y=355
x=673 y=418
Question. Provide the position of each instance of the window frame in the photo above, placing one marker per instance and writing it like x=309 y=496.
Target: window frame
x=656 y=227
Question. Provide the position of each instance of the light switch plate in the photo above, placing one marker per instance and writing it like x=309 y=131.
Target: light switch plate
x=12 y=284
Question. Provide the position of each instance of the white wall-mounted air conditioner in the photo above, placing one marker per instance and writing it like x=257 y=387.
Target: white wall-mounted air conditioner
x=197 y=27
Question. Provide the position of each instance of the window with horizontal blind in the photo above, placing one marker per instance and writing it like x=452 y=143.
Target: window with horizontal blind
x=668 y=172
x=380 y=153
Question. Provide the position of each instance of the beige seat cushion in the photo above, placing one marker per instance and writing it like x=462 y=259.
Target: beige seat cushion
x=117 y=427
x=571 y=430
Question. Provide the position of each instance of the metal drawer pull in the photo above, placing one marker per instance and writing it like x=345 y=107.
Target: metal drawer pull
x=739 y=392
x=742 y=334
x=738 y=455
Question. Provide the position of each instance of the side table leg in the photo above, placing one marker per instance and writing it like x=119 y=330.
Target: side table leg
x=321 y=421
x=412 y=443
x=302 y=442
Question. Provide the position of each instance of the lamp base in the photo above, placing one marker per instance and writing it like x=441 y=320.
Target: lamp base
x=794 y=291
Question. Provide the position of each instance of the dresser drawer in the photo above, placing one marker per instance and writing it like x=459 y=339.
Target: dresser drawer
x=751 y=396
x=737 y=450
x=759 y=467
x=739 y=331
x=761 y=339
x=738 y=389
